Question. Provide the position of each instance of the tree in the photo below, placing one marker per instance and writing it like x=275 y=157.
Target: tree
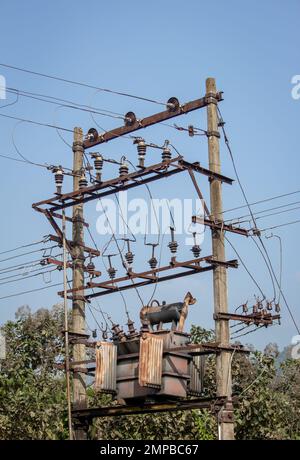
x=33 y=402
x=32 y=389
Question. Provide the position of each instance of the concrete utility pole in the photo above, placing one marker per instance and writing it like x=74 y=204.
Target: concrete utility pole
x=223 y=365
x=78 y=304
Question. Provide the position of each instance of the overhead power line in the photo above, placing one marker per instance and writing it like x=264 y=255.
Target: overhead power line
x=38 y=123
x=238 y=219
x=78 y=83
x=281 y=225
x=24 y=246
x=30 y=252
x=64 y=103
x=262 y=201
x=246 y=268
x=22 y=278
x=268 y=262
x=30 y=291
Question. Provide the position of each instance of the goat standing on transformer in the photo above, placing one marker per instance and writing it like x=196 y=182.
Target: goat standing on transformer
x=174 y=313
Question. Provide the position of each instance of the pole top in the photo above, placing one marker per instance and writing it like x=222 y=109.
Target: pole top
x=211 y=85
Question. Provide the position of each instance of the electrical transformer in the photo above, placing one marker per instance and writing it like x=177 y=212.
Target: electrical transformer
x=155 y=363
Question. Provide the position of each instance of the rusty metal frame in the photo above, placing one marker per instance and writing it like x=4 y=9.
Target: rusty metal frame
x=88 y=249
x=219 y=225
x=113 y=186
x=213 y=404
x=59 y=216
x=193 y=266
x=59 y=263
x=151 y=120
x=255 y=318
x=157 y=171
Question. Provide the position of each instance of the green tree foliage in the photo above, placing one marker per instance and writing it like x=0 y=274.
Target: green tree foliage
x=32 y=394
x=33 y=403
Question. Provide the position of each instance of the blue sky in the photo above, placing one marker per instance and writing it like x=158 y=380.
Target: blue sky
x=158 y=50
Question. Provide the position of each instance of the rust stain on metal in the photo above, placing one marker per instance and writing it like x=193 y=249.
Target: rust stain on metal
x=196 y=370
x=106 y=367
x=150 y=363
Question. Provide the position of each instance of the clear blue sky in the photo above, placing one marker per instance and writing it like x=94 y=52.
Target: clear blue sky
x=159 y=49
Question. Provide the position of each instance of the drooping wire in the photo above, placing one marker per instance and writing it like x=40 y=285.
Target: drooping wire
x=10 y=103
x=63 y=103
x=25 y=273
x=159 y=265
x=267 y=265
x=56 y=127
x=269 y=262
x=119 y=250
x=246 y=268
x=151 y=201
x=23 y=265
x=26 y=160
x=27 y=277
x=30 y=252
x=280 y=262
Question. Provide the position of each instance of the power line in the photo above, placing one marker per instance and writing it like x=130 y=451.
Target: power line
x=10 y=103
x=14 y=268
x=119 y=250
x=281 y=225
x=63 y=103
x=238 y=219
x=262 y=201
x=246 y=268
x=47 y=125
x=24 y=246
x=248 y=332
x=77 y=83
x=269 y=264
x=27 y=277
x=28 y=292
x=23 y=265
x=280 y=261
x=12 y=158
x=28 y=162
x=30 y=252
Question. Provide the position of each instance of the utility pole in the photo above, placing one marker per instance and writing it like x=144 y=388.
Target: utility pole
x=66 y=314
x=223 y=359
x=78 y=303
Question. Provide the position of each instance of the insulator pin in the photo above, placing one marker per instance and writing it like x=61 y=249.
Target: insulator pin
x=123 y=170
x=83 y=182
x=141 y=148
x=153 y=263
x=90 y=268
x=59 y=178
x=111 y=272
x=196 y=250
x=129 y=256
x=173 y=245
x=166 y=154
